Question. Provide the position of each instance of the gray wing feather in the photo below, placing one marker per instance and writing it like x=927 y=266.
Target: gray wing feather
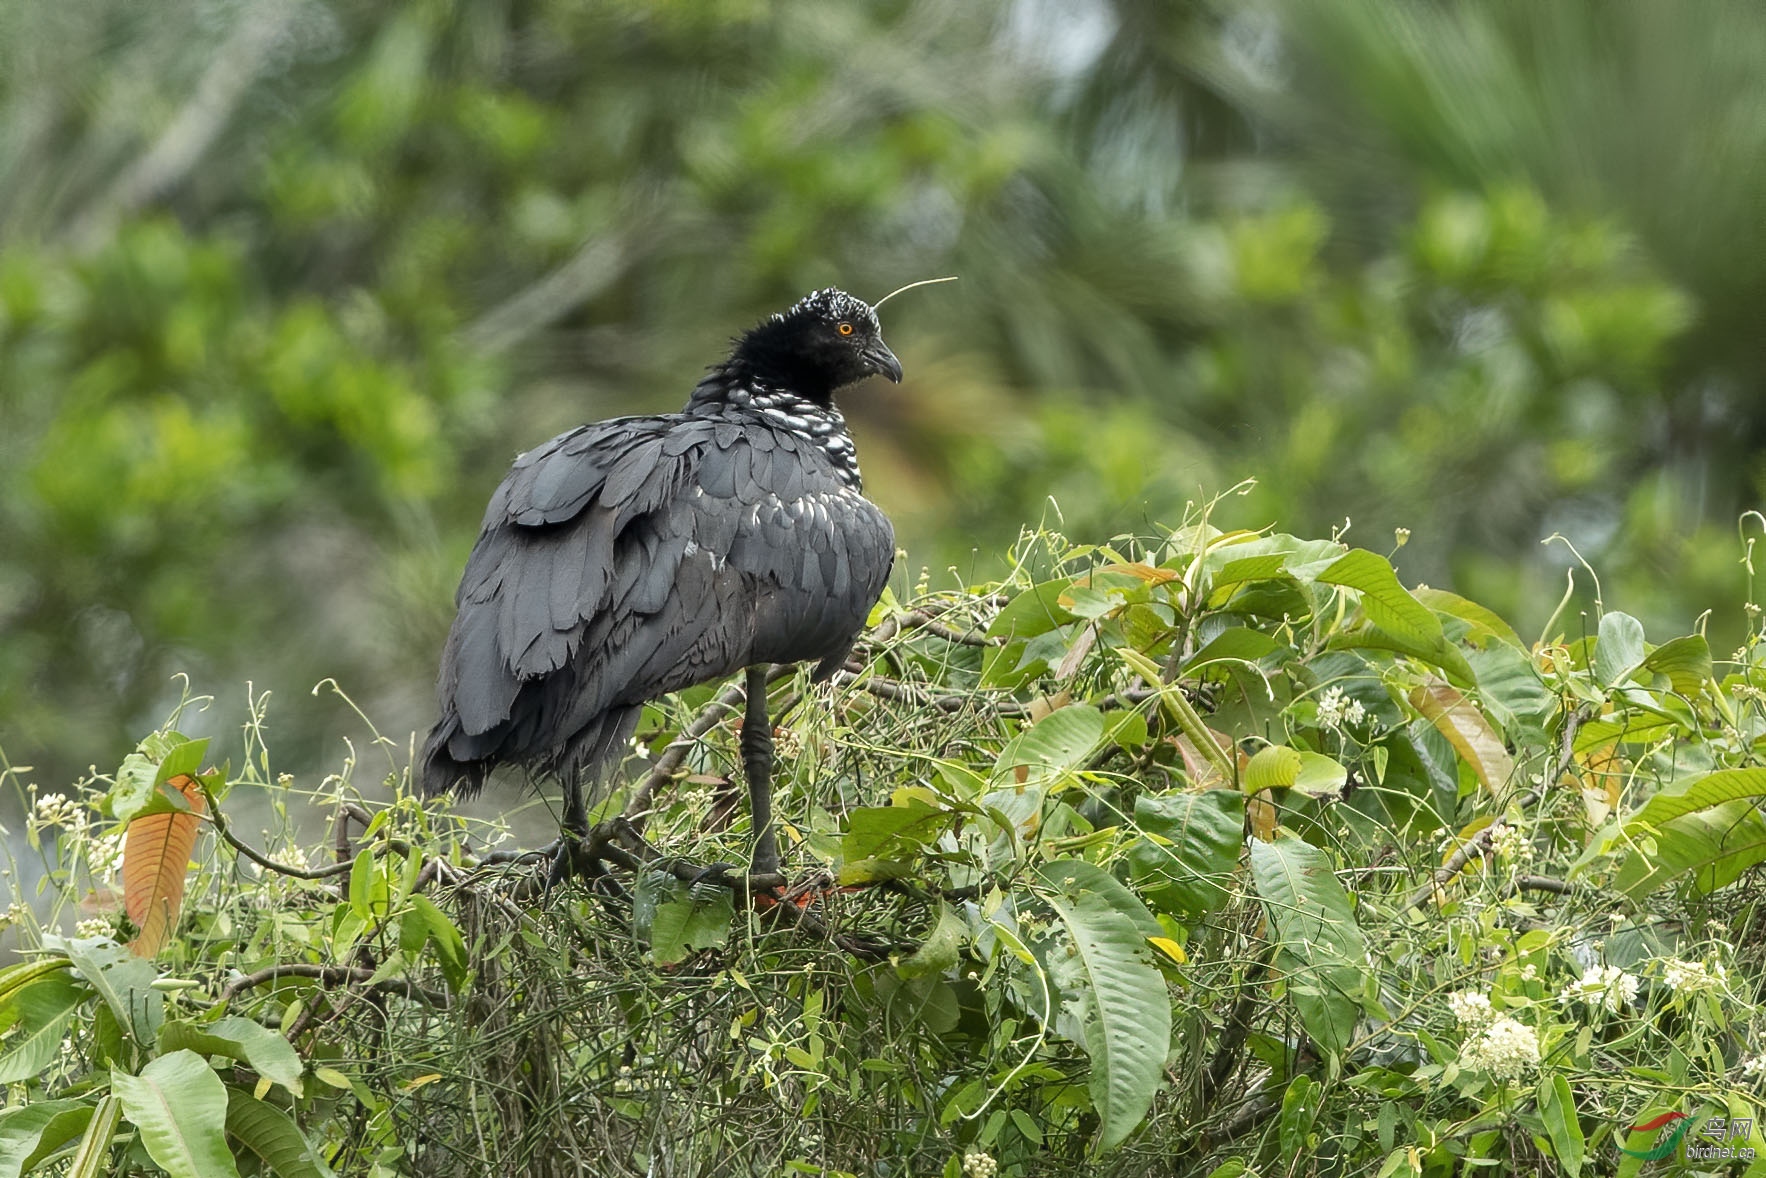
x=628 y=559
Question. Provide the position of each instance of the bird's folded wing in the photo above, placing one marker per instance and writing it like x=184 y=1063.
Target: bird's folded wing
x=647 y=554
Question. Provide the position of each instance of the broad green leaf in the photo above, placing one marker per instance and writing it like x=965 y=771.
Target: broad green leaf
x=1120 y=996
x=1713 y=789
x=1321 y=946
x=134 y=786
x=44 y=1012
x=1185 y=862
x=1618 y=651
x=179 y=1107
x=1032 y=614
x=1482 y=624
x=1442 y=654
x=1234 y=644
x=1280 y=767
x=1274 y=766
x=1063 y=739
x=440 y=933
x=1300 y=1105
x=17 y=977
x=941 y=947
x=124 y=981
x=30 y=1133
x=688 y=919
x=1685 y=661
x=1387 y=603
x=267 y=1052
x=1465 y=727
x=1713 y=846
x=1511 y=690
x=910 y=822
x=272 y=1135
x=1557 y=1109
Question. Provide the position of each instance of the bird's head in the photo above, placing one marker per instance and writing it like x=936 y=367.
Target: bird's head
x=827 y=340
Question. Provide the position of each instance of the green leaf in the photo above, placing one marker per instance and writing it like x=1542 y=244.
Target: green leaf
x=179 y=1107
x=134 y=787
x=1685 y=661
x=688 y=919
x=1714 y=845
x=1387 y=603
x=910 y=822
x=1234 y=644
x=1185 y=862
x=1618 y=650
x=1300 y=1105
x=92 y=1158
x=1467 y=730
x=1713 y=789
x=1120 y=996
x=1321 y=946
x=44 y=1011
x=273 y=1137
x=1482 y=624
x=124 y=981
x=441 y=934
x=1557 y=1109
x=941 y=948
x=267 y=1052
x=1273 y=767
x=1063 y=739
x=1029 y=615
x=32 y=1132
x=1277 y=766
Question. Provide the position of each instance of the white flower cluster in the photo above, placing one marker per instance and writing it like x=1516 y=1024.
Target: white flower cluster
x=104 y=855
x=1510 y=842
x=1334 y=711
x=15 y=912
x=59 y=810
x=97 y=926
x=1602 y=986
x=1754 y=1065
x=1472 y=1009
x=1694 y=977
x=1507 y=1049
x=977 y=1164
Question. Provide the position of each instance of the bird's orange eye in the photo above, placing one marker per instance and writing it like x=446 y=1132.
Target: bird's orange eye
x=846 y=329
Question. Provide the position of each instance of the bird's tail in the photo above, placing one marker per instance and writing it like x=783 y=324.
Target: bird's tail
x=438 y=772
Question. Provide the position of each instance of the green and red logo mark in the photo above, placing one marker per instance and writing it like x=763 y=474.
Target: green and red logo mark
x=1666 y=1146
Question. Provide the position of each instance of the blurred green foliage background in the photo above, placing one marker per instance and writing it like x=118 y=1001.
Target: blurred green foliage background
x=284 y=285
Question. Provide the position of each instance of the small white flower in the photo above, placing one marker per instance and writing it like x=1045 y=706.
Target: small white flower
x=977 y=1164
x=1694 y=977
x=1510 y=842
x=1602 y=987
x=98 y=926
x=1471 y=1009
x=105 y=855
x=1529 y=972
x=1754 y=1065
x=1507 y=1049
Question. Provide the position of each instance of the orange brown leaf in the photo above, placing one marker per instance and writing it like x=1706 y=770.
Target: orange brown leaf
x=156 y=860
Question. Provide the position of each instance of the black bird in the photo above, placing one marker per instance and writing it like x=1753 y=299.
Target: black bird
x=638 y=556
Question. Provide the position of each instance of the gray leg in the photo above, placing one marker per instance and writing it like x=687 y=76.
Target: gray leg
x=757 y=761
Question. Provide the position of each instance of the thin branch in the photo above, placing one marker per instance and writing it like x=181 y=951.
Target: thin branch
x=332 y=975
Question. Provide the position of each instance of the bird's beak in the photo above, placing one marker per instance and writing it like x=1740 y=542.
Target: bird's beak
x=883 y=361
